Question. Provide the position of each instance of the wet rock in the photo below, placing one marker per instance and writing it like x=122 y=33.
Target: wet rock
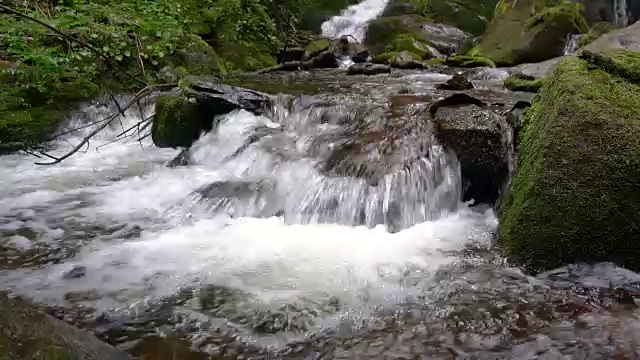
x=537 y=70
x=181 y=118
x=28 y=333
x=75 y=273
x=358 y=53
x=326 y=60
x=459 y=81
x=446 y=39
x=521 y=82
x=368 y=69
x=478 y=137
x=315 y=47
x=515 y=119
x=623 y=39
x=406 y=60
x=456 y=99
x=517 y=37
x=182 y=159
x=291 y=54
x=241 y=198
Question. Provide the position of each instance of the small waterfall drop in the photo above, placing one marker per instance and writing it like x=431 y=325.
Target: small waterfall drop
x=571 y=45
x=354 y=19
x=620 y=12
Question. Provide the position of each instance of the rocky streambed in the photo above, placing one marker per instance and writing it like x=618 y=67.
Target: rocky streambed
x=349 y=217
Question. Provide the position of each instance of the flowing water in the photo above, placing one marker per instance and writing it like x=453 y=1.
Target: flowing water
x=571 y=44
x=354 y=20
x=252 y=250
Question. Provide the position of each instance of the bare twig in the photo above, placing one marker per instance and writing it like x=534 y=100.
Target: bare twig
x=83 y=43
x=144 y=92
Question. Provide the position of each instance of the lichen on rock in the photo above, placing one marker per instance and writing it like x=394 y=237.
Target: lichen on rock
x=574 y=196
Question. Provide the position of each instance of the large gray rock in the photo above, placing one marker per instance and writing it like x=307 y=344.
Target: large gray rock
x=28 y=333
x=537 y=70
x=479 y=137
x=182 y=117
x=446 y=39
x=623 y=39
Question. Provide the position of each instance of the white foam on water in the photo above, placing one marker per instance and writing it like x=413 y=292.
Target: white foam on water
x=354 y=20
x=126 y=184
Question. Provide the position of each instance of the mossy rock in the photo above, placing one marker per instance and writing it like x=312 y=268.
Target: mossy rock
x=196 y=57
x=385 y=30
x=407 y=42
x=316 y=47
x=28 y=333
x=177 y=122
x=400 y=60
x=466 y=61
x=468 y=15
x=574 y=196
x=29 y=126
x=521 y=82
x=519 y=37
x=597 y=30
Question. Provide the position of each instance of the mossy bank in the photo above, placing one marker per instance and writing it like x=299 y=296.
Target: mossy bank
x=575 y=196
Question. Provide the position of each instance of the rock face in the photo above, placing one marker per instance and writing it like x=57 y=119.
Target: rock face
x=625 y=39
x=528 y=31
x=181 y=118
x=446 y=39
x=479 y=138
x=574 y=196
x=27 y=333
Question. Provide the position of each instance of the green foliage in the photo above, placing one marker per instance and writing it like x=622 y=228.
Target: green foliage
x=46 y=72
x=578 y=168
x=521 y=82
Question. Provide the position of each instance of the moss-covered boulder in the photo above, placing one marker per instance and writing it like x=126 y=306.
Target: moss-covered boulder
x=316 y=47
x=530 y=31
x=574 y=196
x=182 y=117
x=597 y=30
x=385 y=30
x=400 y=60
x=521 y=82
x=468 y=15
x=28 y=333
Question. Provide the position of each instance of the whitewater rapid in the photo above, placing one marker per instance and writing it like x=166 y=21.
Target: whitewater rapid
x=136 y=228
x=354 y=20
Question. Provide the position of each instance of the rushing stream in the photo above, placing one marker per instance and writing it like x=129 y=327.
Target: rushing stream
x=253 y=250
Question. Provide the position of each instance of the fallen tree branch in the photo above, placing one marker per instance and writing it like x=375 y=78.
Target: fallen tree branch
x=144 y=92
x=71 y=38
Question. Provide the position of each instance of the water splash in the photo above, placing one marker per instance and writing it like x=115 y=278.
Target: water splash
x=571 y=44
x=354 y=20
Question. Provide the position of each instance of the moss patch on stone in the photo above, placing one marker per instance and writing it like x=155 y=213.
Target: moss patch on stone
x=316 y=47
x=384 y=31
x=466 y=61
x=597 y=30
x=176 y=122
x=521 y=82
x=574 y=195
x=407 y=42
x=519 y=37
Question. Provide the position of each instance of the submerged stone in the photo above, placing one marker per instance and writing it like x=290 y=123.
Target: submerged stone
x=457 y=82
x=28 y=333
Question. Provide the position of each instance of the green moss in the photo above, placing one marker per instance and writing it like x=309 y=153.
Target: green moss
x=316 y=47
x=407 y=42
x=466 y=61
x=618 y=62
x=574 y=195
x=469 y=15
x=29 y=126
x=518 y=37
x=176 y=123
x=597 y=30
x=385 y=30
x=520 y=82
x=502 y=7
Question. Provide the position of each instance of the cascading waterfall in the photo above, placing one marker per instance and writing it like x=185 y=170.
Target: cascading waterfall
x=255 y=218
x=620 y=11
x=354 y=20
x=571 y=44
